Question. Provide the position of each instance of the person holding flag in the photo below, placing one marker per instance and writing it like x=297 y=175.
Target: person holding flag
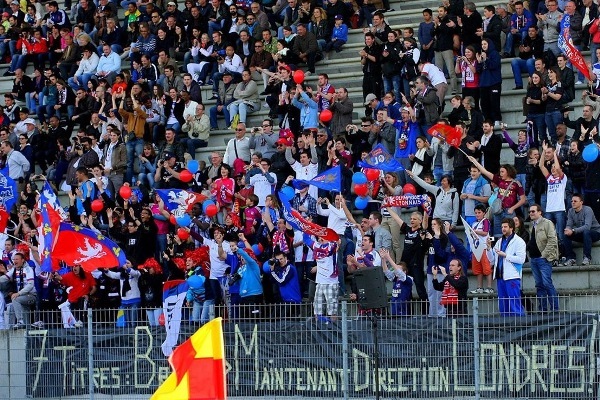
x=326 y=294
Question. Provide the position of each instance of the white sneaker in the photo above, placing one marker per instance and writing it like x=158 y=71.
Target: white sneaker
x=586 y=261
x=477 y=291
x=38 y=325
x=579 y=83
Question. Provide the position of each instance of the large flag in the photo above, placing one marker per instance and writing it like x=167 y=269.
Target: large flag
x=198 y=367
x=295 y=219
x=173 y=297
x=8 y=190
x=48 y=228
x=327 y=180
x=565 y=44
x=179 y=201
x=82 y=246
x=477 y=243
x=379 y=158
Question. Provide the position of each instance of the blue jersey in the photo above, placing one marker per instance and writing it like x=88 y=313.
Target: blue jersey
x=401 y=293
x=289 y=286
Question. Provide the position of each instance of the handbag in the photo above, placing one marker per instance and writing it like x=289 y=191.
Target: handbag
x=495 y=201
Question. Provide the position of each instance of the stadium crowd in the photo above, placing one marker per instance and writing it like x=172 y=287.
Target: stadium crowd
x=141 y=126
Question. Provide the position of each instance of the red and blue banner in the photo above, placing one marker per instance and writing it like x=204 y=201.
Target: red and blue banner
x=48 y=229
x=8 y=190
x=565 y=44
x=295 y=219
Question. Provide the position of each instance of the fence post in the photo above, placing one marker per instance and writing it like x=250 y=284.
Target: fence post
x=90 y=354
x=345 y=355
x=476 y=366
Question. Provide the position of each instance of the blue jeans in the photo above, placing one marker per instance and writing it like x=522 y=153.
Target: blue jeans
x=213 y=116
x=585 y=237
x=510 y=41
x=392 y=84
x=519 y=66
x=243 y=109
x=176 y=127
x=82 y=81
x=134 y=148
x=552 y=119
x=18 y=60
x=131 y=313
x=214 y=26
x=438 y=172
x=559 y=218
x=531 y=199
x=193 y=144
x=546 y=293
x=497 y=232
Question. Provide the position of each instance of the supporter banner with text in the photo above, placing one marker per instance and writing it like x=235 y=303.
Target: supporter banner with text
x=546 y=356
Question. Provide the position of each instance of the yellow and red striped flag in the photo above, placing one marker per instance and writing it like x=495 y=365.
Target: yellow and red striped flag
x=198 y=367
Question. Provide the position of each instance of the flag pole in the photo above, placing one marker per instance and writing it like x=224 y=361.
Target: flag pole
x=16 y=238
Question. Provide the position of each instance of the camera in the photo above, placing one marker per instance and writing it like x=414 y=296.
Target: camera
x=78 y=147
x=255 y=130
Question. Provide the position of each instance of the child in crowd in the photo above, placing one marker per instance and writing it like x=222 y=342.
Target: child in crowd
x=402 y=289
x=339 y=36
x=481 y=267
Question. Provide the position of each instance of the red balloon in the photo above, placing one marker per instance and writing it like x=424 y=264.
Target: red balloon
x=211 y=210
x=161 y=319
x=299 y=76
x=125 y=192
x=172 y=220
x=183 y=234
x=361 y=190
x=186 y=176
x=97 y=205
x=409 y=188
x=326 y=116
x=372 y=174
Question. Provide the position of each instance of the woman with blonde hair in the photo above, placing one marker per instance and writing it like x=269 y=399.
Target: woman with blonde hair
x=318 y=26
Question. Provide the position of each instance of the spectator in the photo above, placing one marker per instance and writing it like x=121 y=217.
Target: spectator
x=231 y=63
x=469 y=24
x=508 y=256
x=581 y=226
x=370 y=57
x=481 y=226
x=259 y=64
x=23 y=294
x=327 y=277
x=380 y=28
x=285 y=276
x=224 y=97
x=454 y=287
x=567 y=79
x=339 y=37
x=109 y=65
x=520 y=22
x=197 y=127
x=443 y=32
x=467 y=66
x=402 y=283
x=342 y=108
x=552 y=95
x=303 y=100
x=134 y=119
x=246 y=99
x=238 y=148
x=391 y=58
x=490 y=81
x=530 y=50
x=549 y=23
x=306 y=48
x=130 y=291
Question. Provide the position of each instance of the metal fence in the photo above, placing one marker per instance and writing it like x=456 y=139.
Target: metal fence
x=283 y=351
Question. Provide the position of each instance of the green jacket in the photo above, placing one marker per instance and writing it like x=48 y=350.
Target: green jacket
x=546 y=239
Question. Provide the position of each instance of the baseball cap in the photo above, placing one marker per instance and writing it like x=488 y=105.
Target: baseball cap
x=286 y=67
x=29 y=121
x=339 y=16
x=168 y=154
x=171 y=3
x=407 y=109
x=5 y=14
x=370 y=97
x=227 y=73
x=15 y=2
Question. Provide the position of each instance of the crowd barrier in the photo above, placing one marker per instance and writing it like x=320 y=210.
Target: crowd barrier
x=282 y=351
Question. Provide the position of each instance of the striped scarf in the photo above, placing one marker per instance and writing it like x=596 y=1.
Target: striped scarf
x=449 y=294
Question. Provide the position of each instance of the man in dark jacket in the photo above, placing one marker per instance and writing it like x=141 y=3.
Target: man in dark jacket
x=306 y=47
x=492 y=26
x=469 y=24
x=443 y=32
x=22 y=86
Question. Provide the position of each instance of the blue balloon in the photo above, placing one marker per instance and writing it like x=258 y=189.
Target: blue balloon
x=361 y=202
x=206 y=204
x=193 y=166
x=183 y=220
x=590 y=152
x=287 y=192
x=359 y=178
x=195 y=281
x=266 y=267
x=256 y=250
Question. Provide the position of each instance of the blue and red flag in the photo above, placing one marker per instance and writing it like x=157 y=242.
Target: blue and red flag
x=48 y=227
x=8 y=190
x=76 y=245
x=565 y=44
x=297 y=221
x=174 y=293
x=179 y=201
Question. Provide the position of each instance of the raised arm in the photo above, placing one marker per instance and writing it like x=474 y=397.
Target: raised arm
x=481 y=168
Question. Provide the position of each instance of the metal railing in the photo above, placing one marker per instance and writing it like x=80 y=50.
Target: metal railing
x=284 y=351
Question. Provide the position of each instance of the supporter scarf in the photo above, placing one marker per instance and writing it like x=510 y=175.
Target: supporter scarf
x=449 y=294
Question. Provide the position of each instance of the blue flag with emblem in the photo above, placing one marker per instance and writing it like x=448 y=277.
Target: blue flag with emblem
x=179 y=201
x=327 y=180
x=8 y=190
x=379 y=158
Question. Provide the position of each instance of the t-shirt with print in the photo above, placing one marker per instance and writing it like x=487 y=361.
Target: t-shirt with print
x=556 y=193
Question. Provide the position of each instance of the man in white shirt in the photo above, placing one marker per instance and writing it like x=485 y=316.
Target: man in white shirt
x=238 y=147
x=338 y=221
x=218 y=249
x=437 y=78
x=263 y=182
x=307 y=168
x=231 y=63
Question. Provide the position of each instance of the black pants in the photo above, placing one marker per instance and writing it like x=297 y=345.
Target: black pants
x=490 y=102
